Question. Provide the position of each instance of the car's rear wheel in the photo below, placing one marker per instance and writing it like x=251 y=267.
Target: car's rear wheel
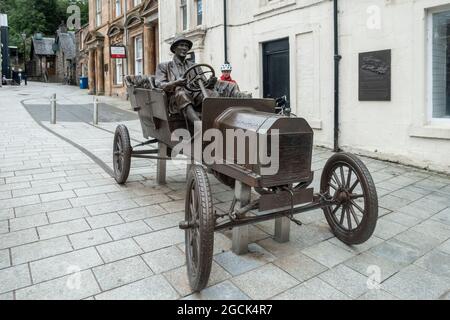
x=122 y=154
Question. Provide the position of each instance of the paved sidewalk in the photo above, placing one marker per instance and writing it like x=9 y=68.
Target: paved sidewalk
x=68 y=231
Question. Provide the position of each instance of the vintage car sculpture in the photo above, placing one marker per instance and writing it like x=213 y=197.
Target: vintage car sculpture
x=347 y=192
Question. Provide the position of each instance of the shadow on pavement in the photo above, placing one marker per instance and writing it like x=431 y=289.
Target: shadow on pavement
x=80 y=113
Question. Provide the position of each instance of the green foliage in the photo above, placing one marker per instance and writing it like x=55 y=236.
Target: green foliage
x=32 y=16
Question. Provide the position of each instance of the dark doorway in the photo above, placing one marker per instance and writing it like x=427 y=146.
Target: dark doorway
x=276 y=69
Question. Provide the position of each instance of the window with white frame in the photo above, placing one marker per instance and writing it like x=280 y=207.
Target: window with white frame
x=439 y=55
x=184 y=14
x=199 y=10
x=137 y=2
x=98 y=16
x=118 y=73
x=138 y=56
x=118 y=10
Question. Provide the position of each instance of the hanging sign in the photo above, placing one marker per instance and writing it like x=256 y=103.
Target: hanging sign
x=118 y=52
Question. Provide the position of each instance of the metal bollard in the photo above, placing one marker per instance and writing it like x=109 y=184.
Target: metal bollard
x=53 y=109
x=95 y=110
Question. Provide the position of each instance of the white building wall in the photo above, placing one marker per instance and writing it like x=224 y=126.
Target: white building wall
x=398 y=130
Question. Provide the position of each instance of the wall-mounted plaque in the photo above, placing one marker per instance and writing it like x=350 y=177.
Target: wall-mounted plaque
x=375 y=76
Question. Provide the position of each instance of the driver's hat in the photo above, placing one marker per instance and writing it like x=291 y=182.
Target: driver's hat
x=179 y=39
x=226 y=67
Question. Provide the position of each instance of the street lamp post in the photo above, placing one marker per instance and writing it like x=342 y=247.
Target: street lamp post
x=24 y=37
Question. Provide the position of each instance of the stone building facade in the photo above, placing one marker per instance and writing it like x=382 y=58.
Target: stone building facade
x=81 y=54
x=42 y=65
x=400 y=49
x=65 y=56
x=130 y=23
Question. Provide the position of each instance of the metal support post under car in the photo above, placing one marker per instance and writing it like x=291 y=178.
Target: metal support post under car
x=240 y=234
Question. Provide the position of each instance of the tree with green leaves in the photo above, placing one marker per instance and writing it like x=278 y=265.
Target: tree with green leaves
x=32 y=16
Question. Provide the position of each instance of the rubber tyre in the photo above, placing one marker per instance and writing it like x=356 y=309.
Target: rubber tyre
x=369 y=221
x=200 y=270
x=122 y=140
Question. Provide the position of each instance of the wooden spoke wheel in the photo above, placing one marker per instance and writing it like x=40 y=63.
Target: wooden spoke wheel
x=122 y=154
x=347 y=181
x=200 y=235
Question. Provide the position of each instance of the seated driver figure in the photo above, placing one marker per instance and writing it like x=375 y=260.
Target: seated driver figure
x=169 y=77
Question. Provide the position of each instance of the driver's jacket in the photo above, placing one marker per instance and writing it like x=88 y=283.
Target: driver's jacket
x=178 y=97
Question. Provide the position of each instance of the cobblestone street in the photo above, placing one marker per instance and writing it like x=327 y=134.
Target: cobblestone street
x=69 y=231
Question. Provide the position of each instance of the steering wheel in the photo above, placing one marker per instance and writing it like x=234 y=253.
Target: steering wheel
x=193 y=83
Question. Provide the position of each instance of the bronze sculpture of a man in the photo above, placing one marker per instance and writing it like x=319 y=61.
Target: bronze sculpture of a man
x=169 y=77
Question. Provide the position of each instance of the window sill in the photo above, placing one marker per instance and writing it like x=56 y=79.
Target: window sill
x=270 y=8
x=431 y=131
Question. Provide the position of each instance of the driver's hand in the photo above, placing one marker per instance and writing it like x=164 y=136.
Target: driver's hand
x=212 y=82
x=180 y=82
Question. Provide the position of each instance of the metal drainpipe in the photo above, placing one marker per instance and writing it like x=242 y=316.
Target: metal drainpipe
x=337 y=59
x=225 y=31
x=125 y=34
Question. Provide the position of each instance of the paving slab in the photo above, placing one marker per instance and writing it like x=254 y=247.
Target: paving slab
x=238 y=264
x=397 y=251
x=165 y=259
x=314 y=289
x=328 y=254
x=443 y=216
x=360 y=248
x=122 y=272
x=300 y=266
x=152 y=288
x=61 y=265
x=89 y=238
x=7 y=296
x=62 y=228
x=112 y=206
x=402 y=218
x=118 y=250
x=28 y=222
x=142 y=213
x=14 y=278
x=73 y=287
x=387 y=229
x=179 y=280
x=366 y=263
x=128 y=230
x=434 y=229
x=5 y=260
x=377 y=294
x=436 y=262
x=6 y=214
x=67 y=215
x=416 y=283
x=420 y=241
x=17 y=238
x=346 y=280
x=40 y=250
x=265 y=282
x=160 y=239
x=222 y=291
x=445 y=247
x=42 y=208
